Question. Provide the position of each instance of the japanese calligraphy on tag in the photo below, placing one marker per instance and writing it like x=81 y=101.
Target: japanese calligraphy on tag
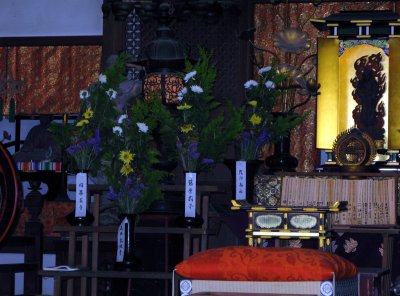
x=81 y=195
x=121 y=240
x=240 y=180
x=190 y=195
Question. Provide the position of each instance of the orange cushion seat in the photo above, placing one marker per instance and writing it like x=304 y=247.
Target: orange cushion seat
x=245 y=263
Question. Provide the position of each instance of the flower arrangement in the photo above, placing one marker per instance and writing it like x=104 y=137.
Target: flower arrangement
x=118 y=146
x=84 y=139
x=262 y=124
x=134 y=183
x=202 y=137
x=85 y=152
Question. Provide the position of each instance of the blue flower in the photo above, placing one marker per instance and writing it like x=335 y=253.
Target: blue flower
x=192 y=151
x=73 y=149
x=246 y=138
x=263 y=137
x=111 y=193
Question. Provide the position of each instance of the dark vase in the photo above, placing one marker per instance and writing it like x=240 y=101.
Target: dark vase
x=252 y=167
x=281 y=160
x=126 y=259
x=86 y=220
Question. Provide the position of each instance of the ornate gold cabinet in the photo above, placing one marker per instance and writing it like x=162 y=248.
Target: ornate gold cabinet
x=288 y=222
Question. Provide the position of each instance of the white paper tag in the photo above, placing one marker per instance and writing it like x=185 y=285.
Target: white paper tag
x=190 y=195
x=121 y=240
x=81 y=195
x=240 y=180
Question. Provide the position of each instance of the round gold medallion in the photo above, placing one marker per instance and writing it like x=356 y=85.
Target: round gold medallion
x=354 y=148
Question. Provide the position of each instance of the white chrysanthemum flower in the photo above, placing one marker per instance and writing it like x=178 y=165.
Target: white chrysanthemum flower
x=265 y=69
x=111 y=93
x=269 y=84
x=181 y=94
x=179 y=97
x=103 y=78
x=250 y=83
x=142 y=127
x=183 y=91
x=190 y=75
x=122 y=118
x=84 y=94
x=117 y=130
x=196 y=89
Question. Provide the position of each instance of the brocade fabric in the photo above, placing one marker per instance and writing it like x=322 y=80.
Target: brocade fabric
x=52 y=76
x=245 y=263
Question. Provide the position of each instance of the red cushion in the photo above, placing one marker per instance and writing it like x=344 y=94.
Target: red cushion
x=241 y=263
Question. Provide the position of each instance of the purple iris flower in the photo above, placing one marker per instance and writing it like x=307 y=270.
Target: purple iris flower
x=95 y=142
x=246 y=138
x=82 y=144
x=192 y=151
x=73 y=149
x=130 y=189
x=111 y=193
x=95 y=139
x=97 y=135
x=263 y=137
x=133 y=189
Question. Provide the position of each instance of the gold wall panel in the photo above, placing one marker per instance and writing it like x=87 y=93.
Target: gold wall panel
x=327 y=101
x=394 y=94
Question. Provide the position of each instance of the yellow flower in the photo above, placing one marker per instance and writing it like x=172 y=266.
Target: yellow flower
x=255 y=119
x=126 y=156
x=82 y=122
x=186 y=128
x=252 y=103
x=88 y=113
x=126 y=169
x=184 y=107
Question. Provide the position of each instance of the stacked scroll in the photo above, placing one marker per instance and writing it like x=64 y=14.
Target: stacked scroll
x=371 y=201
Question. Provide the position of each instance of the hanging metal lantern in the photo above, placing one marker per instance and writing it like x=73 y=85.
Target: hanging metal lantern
x=164 y=56
x=166 y=84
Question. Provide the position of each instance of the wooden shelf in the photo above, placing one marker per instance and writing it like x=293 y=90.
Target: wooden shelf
x=108 y=274
x=194 y=240
x=138 y=229
x=380 y=229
